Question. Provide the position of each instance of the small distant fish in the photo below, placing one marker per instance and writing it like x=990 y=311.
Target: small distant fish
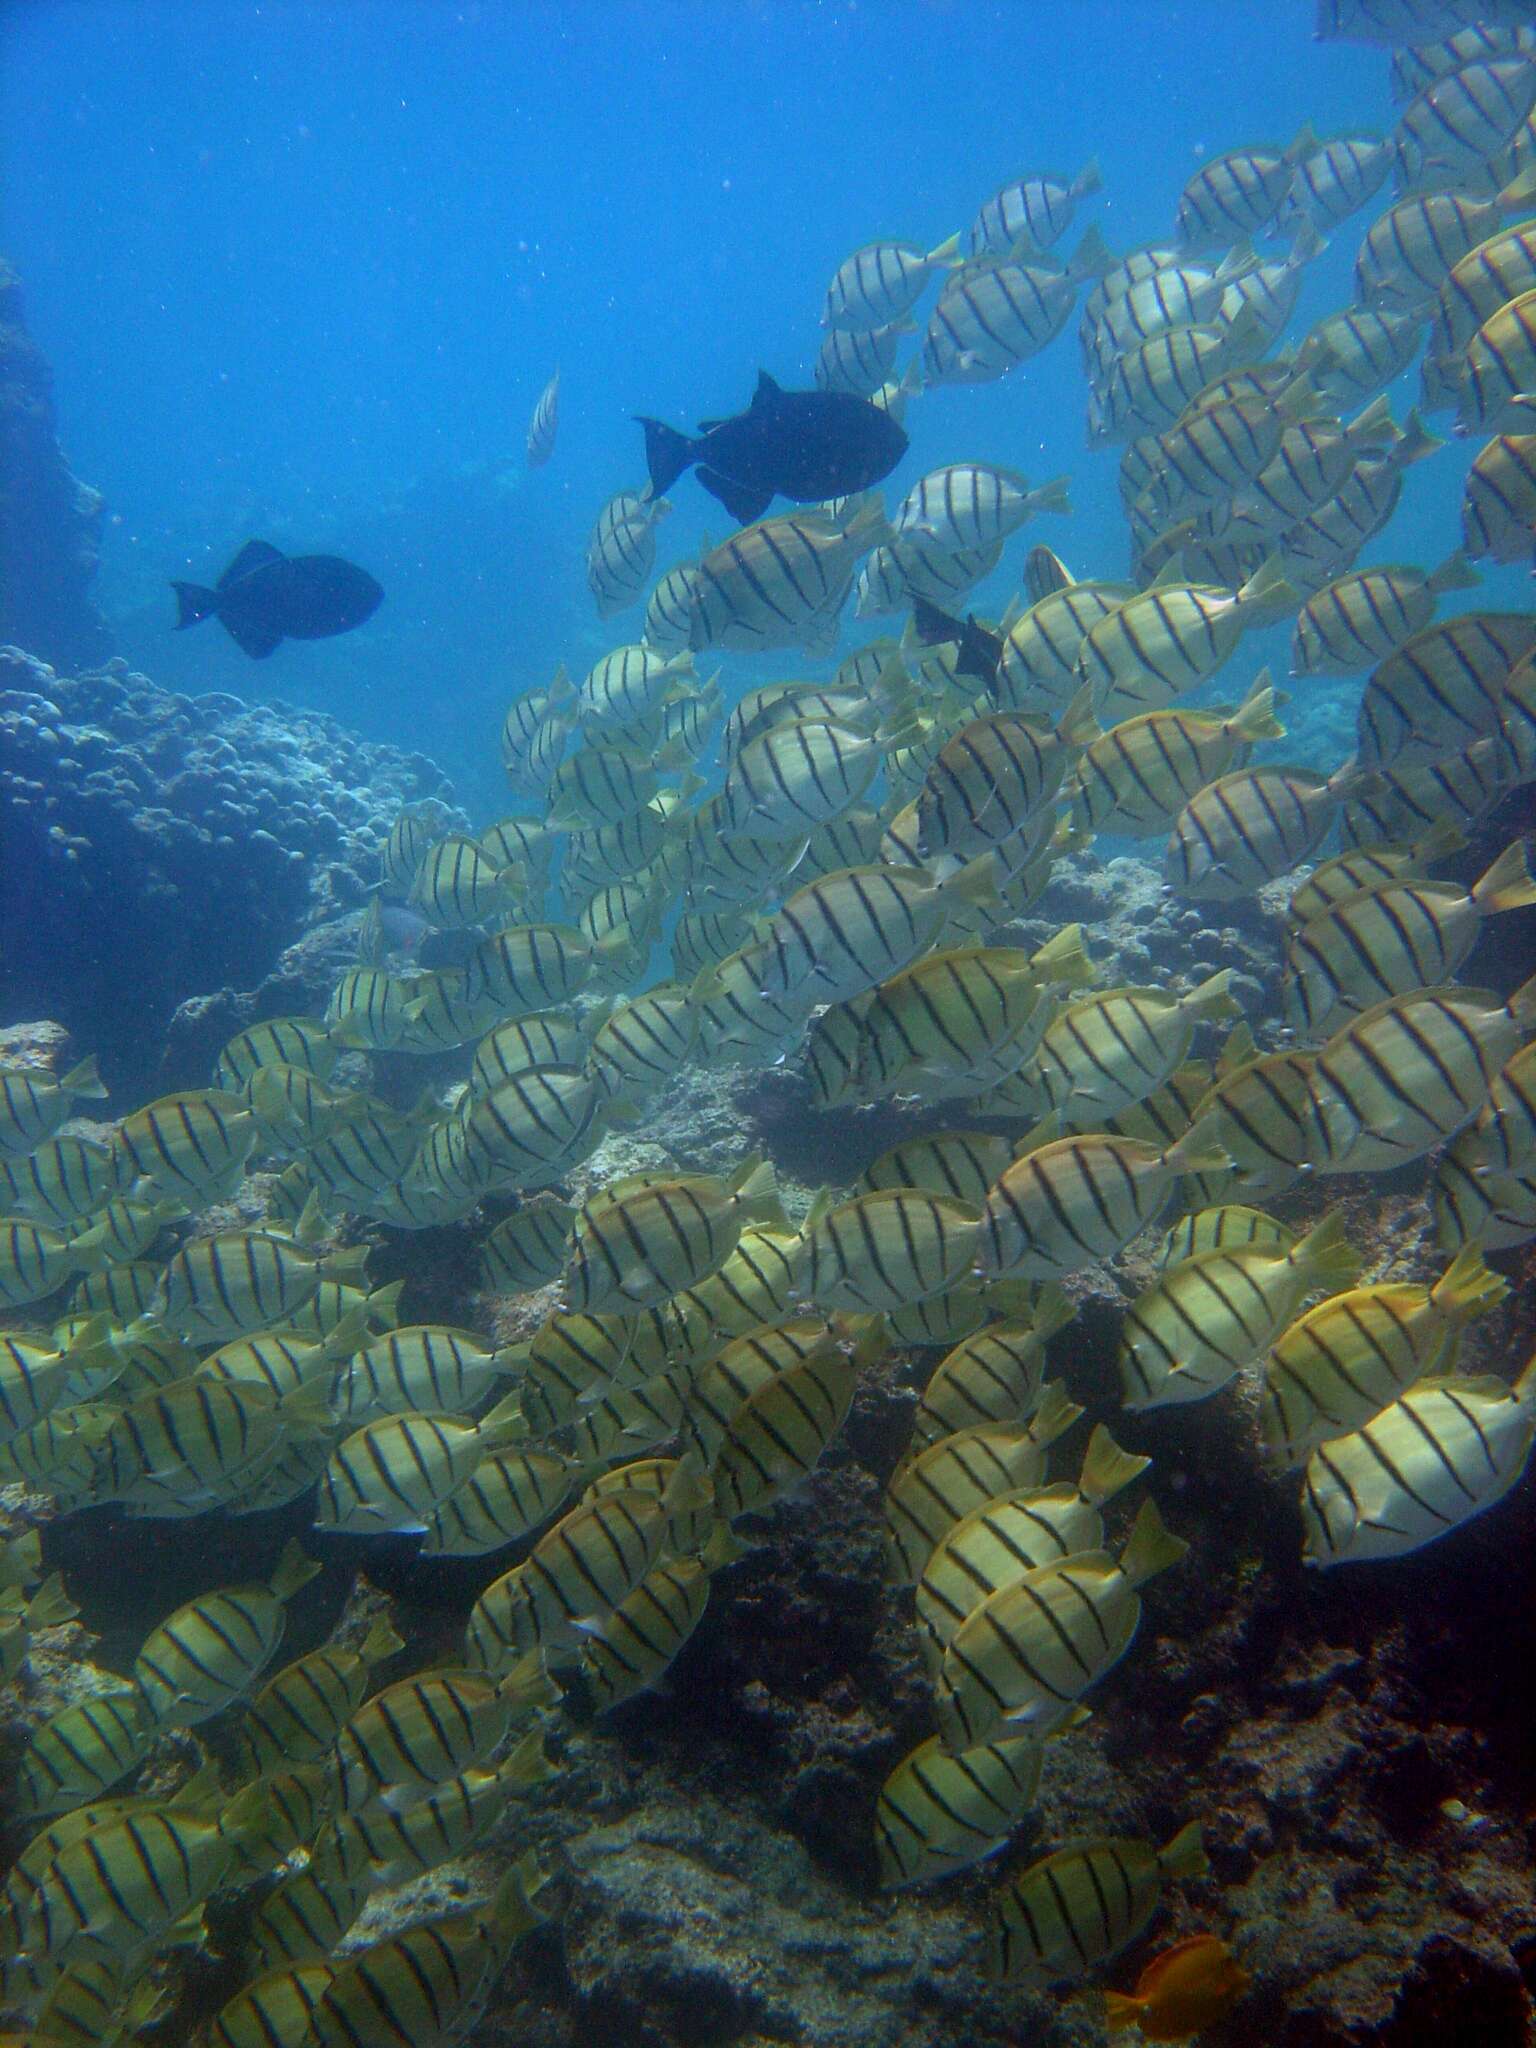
x=1181 y=1992
x=265 y=597
x=805 y=445
x=544 y=423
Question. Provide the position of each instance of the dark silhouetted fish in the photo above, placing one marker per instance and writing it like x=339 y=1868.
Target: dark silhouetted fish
x=265 y=597
x=980 y=651
x=804 y=445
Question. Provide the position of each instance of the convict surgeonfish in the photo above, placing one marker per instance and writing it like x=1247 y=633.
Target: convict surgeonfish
x=1441 y=1453
x=938 y=1485
x=883 y=281
x=1218 y=1311
x=211 y=1651
x=634 y=1247
x=1393 y=938
x=1013 y=1533
x=937 y=1814
x=1070 y=1201
x=1024 y=1656
x=1077 y=1907
x=1345 y=1359
x=1137 y=777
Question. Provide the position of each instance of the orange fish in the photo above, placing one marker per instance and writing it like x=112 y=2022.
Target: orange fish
x=1188 y=1987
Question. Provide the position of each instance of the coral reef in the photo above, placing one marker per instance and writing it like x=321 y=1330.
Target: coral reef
x=159 y=847
x=50 y=524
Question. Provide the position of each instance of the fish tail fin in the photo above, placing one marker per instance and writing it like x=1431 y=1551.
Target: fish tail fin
x=194 y=602
x=1054 y=496
x=1151 y=1546
x=1375 y=427
x=1092 y=257
x=1121 y=2009
x=1508 y=884
x=1089 y=179
x=85 y=1079
x=1185 y=1855
x=1107 y=1470
x=1325 y=1255
x=1454 y=573
x=667 y=453
x=1054 y=1417
x=1415 y=441
x=1213 y=997
x=947 y=253
x=1468 y=1287
x=1522 y=1004
x=1254 y=718
x=1525 y=1386
x=1267 y=596
x=756 y=1187
x=1064 y=958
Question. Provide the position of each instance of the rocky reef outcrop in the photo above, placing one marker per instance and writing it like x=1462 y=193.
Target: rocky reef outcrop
x=155 y=847
x=50 y=523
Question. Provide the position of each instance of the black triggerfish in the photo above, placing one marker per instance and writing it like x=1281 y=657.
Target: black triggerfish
x=804 y=445
x=265 y=597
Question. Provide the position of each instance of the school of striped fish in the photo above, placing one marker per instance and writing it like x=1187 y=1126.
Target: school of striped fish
x=832 y=867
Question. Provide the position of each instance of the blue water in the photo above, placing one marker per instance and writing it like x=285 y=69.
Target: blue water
x=301 y=270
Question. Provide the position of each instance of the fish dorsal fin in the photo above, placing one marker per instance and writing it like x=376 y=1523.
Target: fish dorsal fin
x=256 y=554
x=768 y=389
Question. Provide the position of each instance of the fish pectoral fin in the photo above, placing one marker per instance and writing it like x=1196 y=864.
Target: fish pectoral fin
x=256 y=641
x=256 y=554
x=742 y=502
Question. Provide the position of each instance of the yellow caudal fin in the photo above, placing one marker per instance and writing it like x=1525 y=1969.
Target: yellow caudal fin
x=1151 y=1546
x=947 y=253
x=1213 y=998
x=1522 y=1004
x=1054 y=1417
x=1267 y=596
x=1185 y=1855
x=50 y=1606
x=1374 y=427
x=1200 y=1150
x=1064 y=959
x=1468 y=1287
x=1051 y=1311
x=1240 y=1050
x=756 y=1186
x=381 y=1642
x=1325 y=1257
x=1107 y=1470
x=1055 y=496
x=1078 y=727
x=84 y=1080
x=1254 y=718
x=1508 y=884
x=1454 y=573
x=294 y=1569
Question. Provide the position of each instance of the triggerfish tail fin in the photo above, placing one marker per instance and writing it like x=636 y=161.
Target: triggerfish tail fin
x=194 y=602
x=667 y=453
x=1122 y=2010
